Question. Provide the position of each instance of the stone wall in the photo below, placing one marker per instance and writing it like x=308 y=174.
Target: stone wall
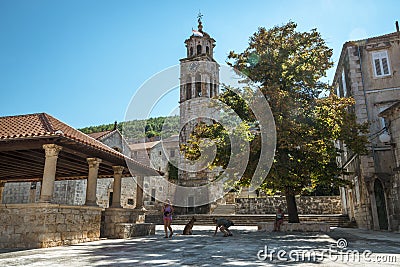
x=305 y=205
x=71 y=192
x=17 y=193
x=41 y=225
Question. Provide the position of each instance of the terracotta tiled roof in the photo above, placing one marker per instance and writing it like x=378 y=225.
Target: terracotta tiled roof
x=43 y=125
x=24 y=126
x=142 y=146
x=99 y=135
x=383 y=36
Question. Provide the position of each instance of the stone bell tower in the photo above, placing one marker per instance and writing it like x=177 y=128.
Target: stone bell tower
x=199 y=81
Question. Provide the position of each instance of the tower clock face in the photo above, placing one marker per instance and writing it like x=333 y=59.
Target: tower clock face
x=193 y=66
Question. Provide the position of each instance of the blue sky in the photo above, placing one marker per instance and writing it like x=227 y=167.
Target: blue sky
x=82 y=61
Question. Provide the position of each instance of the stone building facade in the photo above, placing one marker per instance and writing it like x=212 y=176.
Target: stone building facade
x=369 y=71
x=157 y=154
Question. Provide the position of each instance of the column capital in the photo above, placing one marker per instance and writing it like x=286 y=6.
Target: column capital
x=118 y=169
x=52 y=150
x=93 y=162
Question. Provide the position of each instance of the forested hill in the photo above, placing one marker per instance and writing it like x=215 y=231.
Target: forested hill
x=140 y=128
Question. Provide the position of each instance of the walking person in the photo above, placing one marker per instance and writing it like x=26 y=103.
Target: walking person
x=167 y=211
x=278 y=219
x=223 y=225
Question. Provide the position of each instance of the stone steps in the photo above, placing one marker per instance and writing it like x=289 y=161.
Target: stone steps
x=334 y=220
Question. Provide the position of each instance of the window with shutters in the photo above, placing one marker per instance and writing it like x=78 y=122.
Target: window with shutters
x=380 y=63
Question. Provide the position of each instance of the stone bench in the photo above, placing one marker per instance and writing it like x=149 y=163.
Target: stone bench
x=296 y=227
x=128 y=230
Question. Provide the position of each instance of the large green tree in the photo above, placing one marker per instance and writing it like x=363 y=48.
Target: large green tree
x=288 y=66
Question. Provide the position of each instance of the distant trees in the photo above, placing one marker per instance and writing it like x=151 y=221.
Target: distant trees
x=165 y=126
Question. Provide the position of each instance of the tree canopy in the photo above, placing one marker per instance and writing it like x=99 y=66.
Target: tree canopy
x=288 y=66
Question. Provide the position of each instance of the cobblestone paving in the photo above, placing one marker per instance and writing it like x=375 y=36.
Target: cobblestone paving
x=202 y=249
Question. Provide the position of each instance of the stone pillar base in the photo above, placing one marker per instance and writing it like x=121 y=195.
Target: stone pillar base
x=128 y=230
x=114 y=216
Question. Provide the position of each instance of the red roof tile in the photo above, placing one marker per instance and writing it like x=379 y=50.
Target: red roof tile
x=99 y=135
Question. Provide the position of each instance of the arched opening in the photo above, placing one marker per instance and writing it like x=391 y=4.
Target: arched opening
x=198 y=49
x=211 y=90
x=380 y=205
x=191 y=51
x=188 y=88
x=207 y=50
x=188 y=91
x=198 y=85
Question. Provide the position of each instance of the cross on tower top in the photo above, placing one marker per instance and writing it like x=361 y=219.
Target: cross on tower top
x=199 y=17
x=200 y=26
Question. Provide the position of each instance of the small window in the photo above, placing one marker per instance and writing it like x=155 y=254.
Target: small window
x=380 y=62
x=159 y=152
x=198 y=89
x=198 y=85
x=344 y=84
x=191 y=51
x=198 y=49
x=33 y=185
x=130 y=201
x=110 y=197
x=357 y=190
x=338 y=91
x=207 y=50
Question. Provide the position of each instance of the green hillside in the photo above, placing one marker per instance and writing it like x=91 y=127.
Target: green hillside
x=151 y=127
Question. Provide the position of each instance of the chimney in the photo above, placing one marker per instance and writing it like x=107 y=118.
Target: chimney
x=397 y=26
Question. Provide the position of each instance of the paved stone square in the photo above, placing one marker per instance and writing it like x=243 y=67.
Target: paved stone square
x=202 y=249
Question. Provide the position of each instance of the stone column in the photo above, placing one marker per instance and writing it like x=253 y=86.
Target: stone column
x=2 y=184
x=92 y=181
x=116 y=200
x=139 y=193
x=49 y=173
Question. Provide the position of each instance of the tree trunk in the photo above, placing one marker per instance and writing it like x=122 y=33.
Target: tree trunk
x=293 y=215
